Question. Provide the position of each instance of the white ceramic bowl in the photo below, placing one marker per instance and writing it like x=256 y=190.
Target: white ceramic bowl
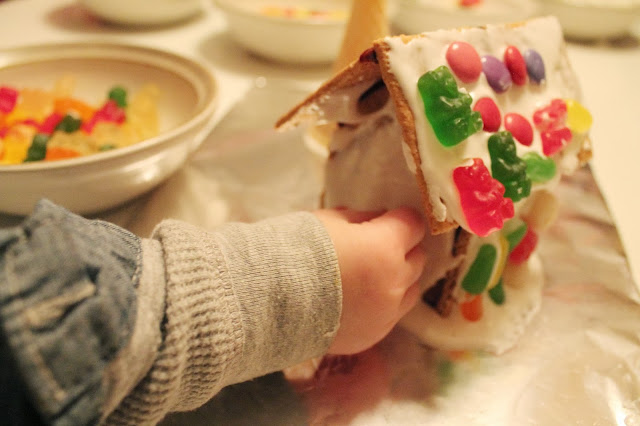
x=594 y=19
x=287 y=39
x=417 y=16
x=143 y=12
x=101 y=181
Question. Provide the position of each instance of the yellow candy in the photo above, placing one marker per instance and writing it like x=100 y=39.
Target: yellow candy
x=579 y=119
x=15 y=149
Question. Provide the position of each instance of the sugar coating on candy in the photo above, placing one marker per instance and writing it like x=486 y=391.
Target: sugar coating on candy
x=535 y=66
x=497 y=74
x=447 y=108
x=464 y=61
x=551 y=122
x=519 y=127
x=482 y=198
x=8 y=99
x=539 y=169
x=490 y=114
x=516 y=65
x=523 y=251
x=479 y=273
x=507 y=167
x=579 y=118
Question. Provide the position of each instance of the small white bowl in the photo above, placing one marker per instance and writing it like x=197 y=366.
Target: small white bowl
x=417 y=16
x=143 y=12
x=100 y=181
x=287 y=39
x=594 y=19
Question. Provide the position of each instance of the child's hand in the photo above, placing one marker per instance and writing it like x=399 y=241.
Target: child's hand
x=380 y=263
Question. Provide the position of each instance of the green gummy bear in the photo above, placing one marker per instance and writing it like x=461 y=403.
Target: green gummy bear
x=69 y=124
x=448 y=109
x=539 y=169
x=38 y=148
x=507 y=167
x=479 y=274
x=119 y=96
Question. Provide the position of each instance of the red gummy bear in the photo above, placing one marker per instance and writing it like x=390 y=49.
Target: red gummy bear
x=482 y=198
x=523 y=250
x=550 y=121
x=110 y=111
x=8 y=99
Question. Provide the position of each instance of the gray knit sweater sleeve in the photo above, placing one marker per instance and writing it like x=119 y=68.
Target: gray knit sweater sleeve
x=240 y=302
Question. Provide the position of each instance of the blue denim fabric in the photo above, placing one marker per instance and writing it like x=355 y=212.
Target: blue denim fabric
x=67 y=306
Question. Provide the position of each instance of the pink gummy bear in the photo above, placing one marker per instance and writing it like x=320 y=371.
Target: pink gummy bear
x=482 y=198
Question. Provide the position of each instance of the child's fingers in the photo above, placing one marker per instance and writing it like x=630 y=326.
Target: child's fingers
x=409 y=300
x=357 y=216
x=416 y=260
x=405 y=224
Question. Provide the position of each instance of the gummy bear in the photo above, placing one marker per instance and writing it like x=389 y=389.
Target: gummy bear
x=482 y=198
x=507 y=167
x=447 y=108
x=38 y=148
x=550 y=120
x=539 y=169
x=110 y=112
x=516 y=232
x=119 y=95
x=523 y=251
x=49 y=124
x=477 y=277
x=8 y=99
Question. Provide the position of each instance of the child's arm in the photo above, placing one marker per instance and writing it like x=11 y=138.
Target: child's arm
x=97 y=321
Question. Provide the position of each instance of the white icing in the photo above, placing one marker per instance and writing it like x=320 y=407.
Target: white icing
x=500 y=326
x=408 y=62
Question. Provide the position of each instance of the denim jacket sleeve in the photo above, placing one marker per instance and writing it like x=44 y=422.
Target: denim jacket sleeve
x=100 y=326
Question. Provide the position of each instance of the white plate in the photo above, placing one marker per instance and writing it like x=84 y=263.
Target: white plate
x=101 y=181
x=417 y=16
x=594 y=19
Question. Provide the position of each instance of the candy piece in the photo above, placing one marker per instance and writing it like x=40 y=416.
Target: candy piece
x=519 y=127
x=119 y=96
x=490 y=114
x=469 y=3
x=448 y=109
x=579 y=119
x=523 y=251
x=497 y=294
x=64 y=106
x=59 y=153
x=541 y=210
x=69 y=124
x=550 y=120
x=535 y=66
x=471 y=310
x=49 y=124
x=515 y=231
x=477 y=277
x=464 y=61
x=514 y=62
x=539 y=169
x=109 y=112
x=501 y=261
x=482 y=198
x=38 y=148
x=497 y=74
x=8 y=99
x=507 y=167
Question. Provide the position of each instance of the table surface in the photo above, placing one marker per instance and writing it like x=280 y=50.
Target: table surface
x=606 y=72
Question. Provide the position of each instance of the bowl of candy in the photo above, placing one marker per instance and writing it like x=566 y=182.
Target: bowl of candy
x=594 y=19
x=416 y=16
x=291 y=31
x=93 y=125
